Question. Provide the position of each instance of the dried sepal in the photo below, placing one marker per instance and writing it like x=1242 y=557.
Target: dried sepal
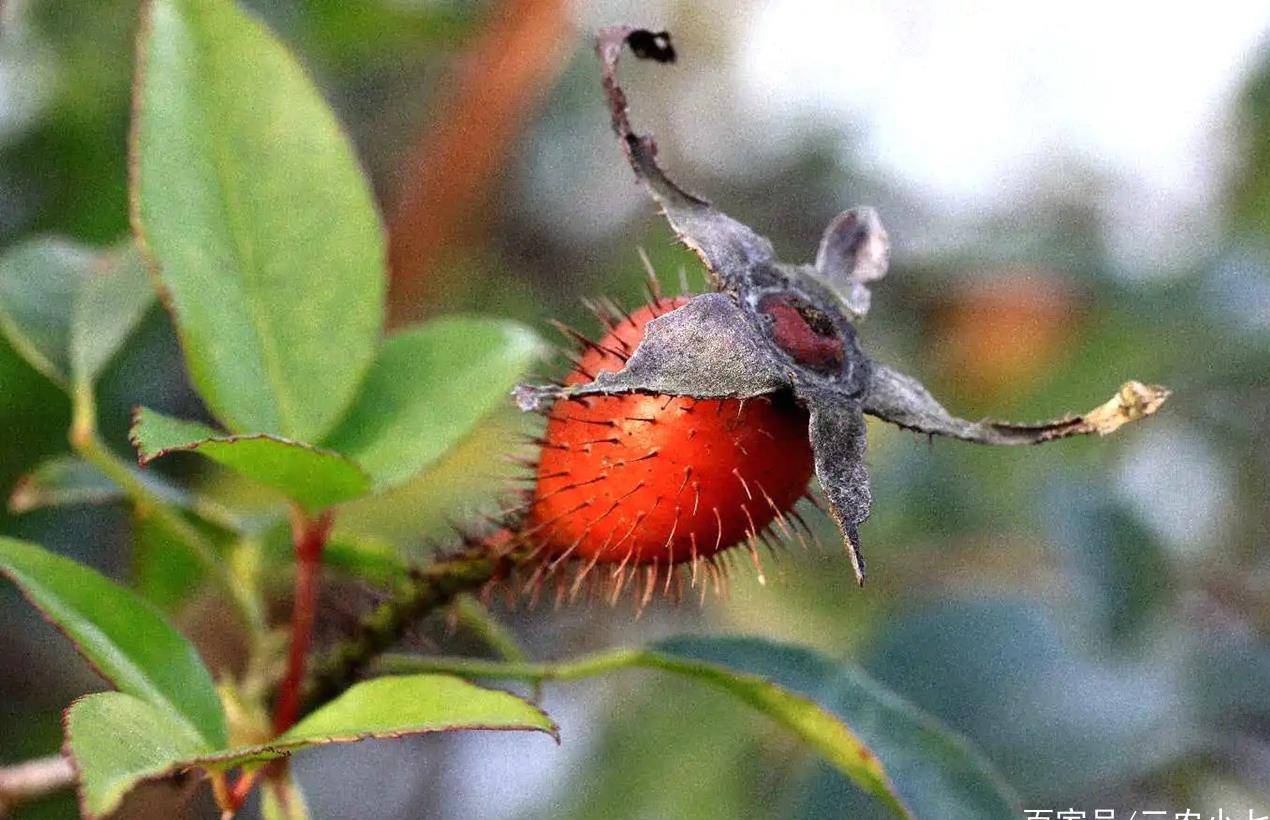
x=904 y=401
x=708 y=348
x=854 y=251
x=734 y=255
x=838 y=440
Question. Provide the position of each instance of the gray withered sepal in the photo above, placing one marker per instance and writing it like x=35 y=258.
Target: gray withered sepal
x=775 y=327
x=838 y=440
x=707 y=348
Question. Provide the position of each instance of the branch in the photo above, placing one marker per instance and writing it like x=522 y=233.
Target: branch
x=309 y=539
x=586 y=666
x=428 y=590
x=24 y=782
x=477 y=619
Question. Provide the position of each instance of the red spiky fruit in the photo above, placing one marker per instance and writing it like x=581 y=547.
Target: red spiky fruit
x=661 y=480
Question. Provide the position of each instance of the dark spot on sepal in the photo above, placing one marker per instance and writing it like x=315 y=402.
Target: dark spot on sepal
x=651 y=45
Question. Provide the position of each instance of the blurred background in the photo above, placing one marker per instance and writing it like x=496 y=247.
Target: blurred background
x=1075 y=196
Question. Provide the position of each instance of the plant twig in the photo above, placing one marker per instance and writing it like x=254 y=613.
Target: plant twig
x=24 y=782
x=584 y=667
x=88 y=444
x=221 y=793
x=477 y=619
x=430 y=588
x=241 y=789
x=308 y=538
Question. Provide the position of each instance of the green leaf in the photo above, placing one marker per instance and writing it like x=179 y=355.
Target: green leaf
x=111 y=301
x=933 y=772
x=125 y=639
x=384 y=708
x=165 y=570
x=428 y=389
x=60 y=481
x=117 y=741
x=68 y=309
x=38 y=282
x=66 y=480
x=892 y=750
x=262 y=226
x=396 y=705
x=314 y=477
x=827 y=733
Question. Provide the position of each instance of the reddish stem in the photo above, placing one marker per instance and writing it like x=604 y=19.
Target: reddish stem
x=308 y=537
x=240 y=790
x=496 y=86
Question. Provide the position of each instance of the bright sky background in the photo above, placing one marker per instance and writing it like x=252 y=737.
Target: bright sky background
x=974 y=105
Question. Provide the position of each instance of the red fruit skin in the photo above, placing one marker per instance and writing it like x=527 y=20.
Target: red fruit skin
x=661 y=479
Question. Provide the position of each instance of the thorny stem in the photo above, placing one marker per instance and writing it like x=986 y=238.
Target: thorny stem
x=32 y=780
x=88 y=444
x=430 y=589
x=308 y=535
